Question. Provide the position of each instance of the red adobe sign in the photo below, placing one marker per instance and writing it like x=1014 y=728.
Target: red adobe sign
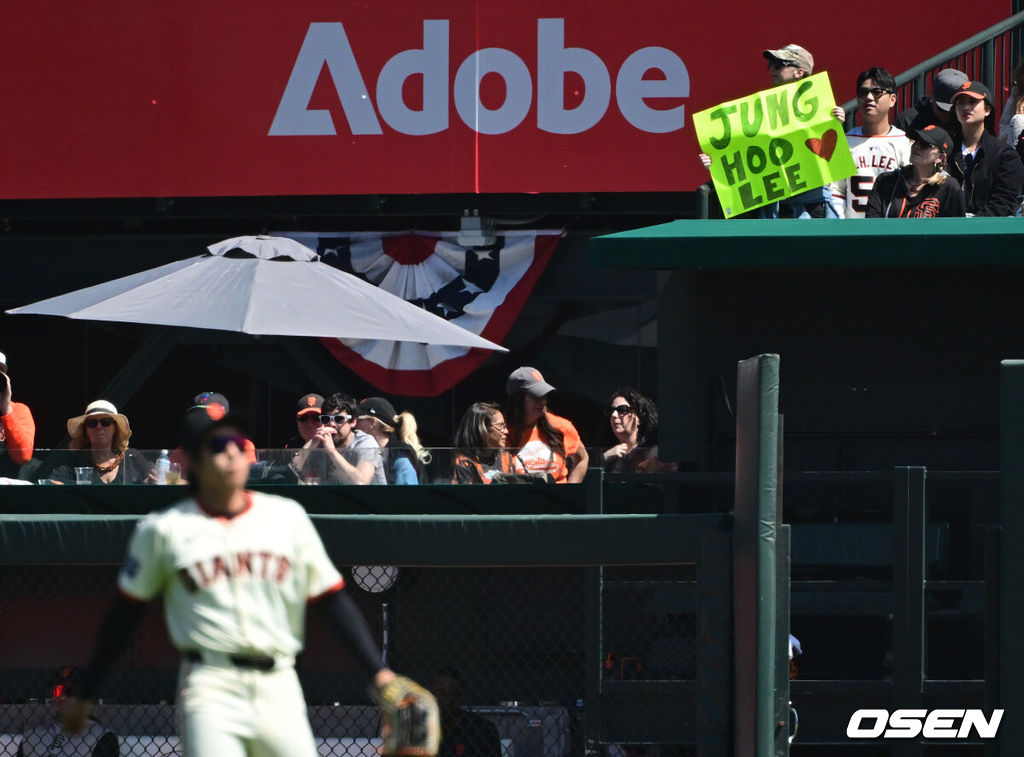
x=118 y=98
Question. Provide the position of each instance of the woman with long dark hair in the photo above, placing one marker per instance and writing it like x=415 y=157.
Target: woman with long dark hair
x=989 y=170
x=547 y=443
x=480 y=453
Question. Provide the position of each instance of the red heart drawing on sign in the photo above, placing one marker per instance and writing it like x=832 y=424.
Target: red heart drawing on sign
x=825 y=146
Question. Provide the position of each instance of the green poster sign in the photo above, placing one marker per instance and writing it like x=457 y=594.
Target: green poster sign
x=774 y=144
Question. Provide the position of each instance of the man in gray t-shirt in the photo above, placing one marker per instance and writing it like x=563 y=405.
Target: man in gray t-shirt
x=365 y=447
x=337 y=453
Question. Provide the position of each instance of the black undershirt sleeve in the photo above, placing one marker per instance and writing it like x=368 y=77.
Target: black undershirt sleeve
x=116 y=631
x=345 y=619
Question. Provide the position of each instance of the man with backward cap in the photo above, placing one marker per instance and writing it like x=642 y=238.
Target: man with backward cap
x=936 y=109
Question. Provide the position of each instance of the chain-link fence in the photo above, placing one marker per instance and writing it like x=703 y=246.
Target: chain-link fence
x=507 y=650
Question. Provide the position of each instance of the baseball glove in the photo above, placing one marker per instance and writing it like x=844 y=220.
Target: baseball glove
x=410 y=725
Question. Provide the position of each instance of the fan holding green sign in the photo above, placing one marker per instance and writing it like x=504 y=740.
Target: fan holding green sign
x=783 y=143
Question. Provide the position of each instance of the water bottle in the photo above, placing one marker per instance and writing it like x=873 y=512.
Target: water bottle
x=163 y=463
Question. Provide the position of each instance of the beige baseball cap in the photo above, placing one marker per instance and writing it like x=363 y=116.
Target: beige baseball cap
x=794 y=54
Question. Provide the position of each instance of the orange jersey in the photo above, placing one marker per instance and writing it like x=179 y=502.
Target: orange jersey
x=537 y=455
x=18 y=433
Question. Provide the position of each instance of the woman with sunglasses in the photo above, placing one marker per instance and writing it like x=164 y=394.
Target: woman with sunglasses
x=99 y=440
x=480 y=454
x=921 y=189
x=634 y=423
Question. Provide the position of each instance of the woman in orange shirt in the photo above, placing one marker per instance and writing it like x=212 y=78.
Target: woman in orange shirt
x=547 y=443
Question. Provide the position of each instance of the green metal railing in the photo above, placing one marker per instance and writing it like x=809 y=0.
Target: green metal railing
x=988 y=56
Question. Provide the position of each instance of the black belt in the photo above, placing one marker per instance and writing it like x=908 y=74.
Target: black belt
x=247 y=661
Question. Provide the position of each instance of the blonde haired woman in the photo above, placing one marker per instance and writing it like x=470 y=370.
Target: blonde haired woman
x=99 y=440
x=404 y=456
x=921 y=189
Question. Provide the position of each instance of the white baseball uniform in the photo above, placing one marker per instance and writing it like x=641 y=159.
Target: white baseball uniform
x=873 y=156
x=234 y=587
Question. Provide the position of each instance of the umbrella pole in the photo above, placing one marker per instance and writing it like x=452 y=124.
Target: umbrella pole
x=254 y=381
x=270 y=414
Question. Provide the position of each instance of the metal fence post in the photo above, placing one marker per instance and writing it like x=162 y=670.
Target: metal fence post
x=714 y=646
x=754 y=554
x=594 y=636
x=988 y=63
x=1011 y=517
x=993 y=580
x=908 y=564
x=783 y=724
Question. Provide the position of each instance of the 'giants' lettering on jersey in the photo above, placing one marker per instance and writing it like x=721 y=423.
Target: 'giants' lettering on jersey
x=264 y=566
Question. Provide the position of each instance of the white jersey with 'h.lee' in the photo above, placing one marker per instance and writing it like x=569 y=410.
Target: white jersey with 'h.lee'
x=237 y=585
x=872 y=156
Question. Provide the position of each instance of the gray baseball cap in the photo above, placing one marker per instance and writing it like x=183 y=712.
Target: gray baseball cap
x=528 y=380
x=3 y=362
x=945 y=84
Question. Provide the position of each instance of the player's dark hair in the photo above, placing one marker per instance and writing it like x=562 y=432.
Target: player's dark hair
x=880 y=77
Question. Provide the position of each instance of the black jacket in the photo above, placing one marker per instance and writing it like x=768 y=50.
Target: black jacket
x=888 y=199
x=916 y=117
x=995 y=180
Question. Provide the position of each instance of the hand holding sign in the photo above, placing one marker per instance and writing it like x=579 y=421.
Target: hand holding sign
x=774 y=144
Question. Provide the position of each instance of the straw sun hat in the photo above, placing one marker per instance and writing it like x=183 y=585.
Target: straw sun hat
x=101 y=409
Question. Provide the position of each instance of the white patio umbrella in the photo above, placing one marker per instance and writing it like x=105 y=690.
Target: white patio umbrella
x=258 y=285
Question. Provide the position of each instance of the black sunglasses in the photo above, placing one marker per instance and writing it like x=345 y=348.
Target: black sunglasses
x=339 y=419
x=875 y=92
x=218 y=444
x=621 y=410
x=94 y=422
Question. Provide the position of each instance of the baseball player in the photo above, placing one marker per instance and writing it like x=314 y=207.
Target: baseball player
x=235 y=570
x=50 y=740
x=876 y=146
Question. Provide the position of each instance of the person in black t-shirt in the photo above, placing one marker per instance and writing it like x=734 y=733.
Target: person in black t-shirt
x=463 y=733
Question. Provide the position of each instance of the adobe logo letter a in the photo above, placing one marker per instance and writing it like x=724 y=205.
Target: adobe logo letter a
x=324 y=43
